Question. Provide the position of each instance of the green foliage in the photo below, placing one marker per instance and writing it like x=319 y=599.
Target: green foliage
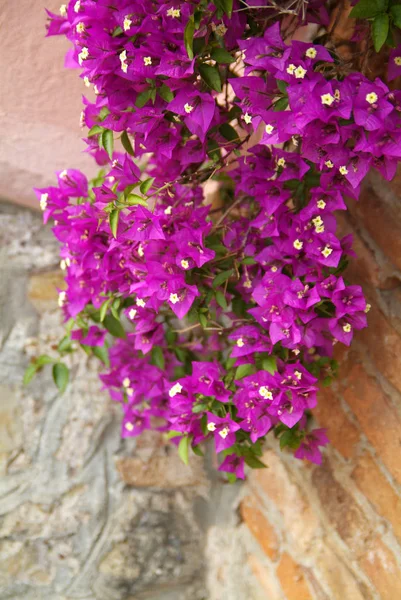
x=61 y=375
x=380 y=30
x=189 y=37
x=211 y=76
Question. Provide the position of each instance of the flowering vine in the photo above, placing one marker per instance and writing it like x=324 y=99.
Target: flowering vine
x=216 y=321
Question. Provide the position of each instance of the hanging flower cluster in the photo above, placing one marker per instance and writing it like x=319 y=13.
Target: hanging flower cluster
x=222 y=317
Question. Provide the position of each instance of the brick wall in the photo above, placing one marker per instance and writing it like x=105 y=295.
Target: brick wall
x=334 y=532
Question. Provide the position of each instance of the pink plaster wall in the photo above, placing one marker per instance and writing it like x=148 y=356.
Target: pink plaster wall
x=40 y=103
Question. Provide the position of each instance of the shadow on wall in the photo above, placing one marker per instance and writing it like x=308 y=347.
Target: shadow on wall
x=40 y=103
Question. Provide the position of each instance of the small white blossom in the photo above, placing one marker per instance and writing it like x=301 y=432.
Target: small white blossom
x=372 y=98
x=83 y=55
x=176 y=389
x=175 y=13
x=127 y=24
x=173 y=298
x=43 y=201
x=188 y=108
x=311 y=52
x=62 y=298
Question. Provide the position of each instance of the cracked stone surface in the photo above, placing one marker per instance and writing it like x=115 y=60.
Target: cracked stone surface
x=83 y=514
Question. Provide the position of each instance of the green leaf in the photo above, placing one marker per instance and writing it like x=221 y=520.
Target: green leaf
x=126 y=142
x=158 y=357
x=189 y=36
x=198 y=408
x=30 y=373
x=254 y=462
x=229 y=132
x=243 y=371
x=248 y=260
x=222 y=277
x=146 y=185
x=269 y=364
x=289 y=438
x=44 y=359
x=380 y=29
x=221 y=299
x=143 y=98
x=282 y=85
x=183 y=448
x=172 y=434
x=396 y=15
x=95 y=130
x=102 y=353
x=61 y=375
x=366 y=9
x=104 y=308
x=65 y=344
x=211 y=76
x=104 y=112
x=225 y=5
x=114 y=326
x=165 y=93
x=113 y=221
x=108 y=142
x=281 y=104
x=134 y=199
x=203 y=320
x=196 y=450
x=221 y=56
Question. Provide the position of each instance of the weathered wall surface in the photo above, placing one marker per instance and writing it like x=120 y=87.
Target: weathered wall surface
x=40 y=103
x=334 y=532
x=82 y=513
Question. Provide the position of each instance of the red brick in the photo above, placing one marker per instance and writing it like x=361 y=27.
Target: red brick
x=363 y=269
x=330 y=570
x=381 y=567
x=300 y=521
x=342 y=433
x=266 y=580
x=378 y=418
x=383 y=344
x=341 y=510
x=381 y=218
x=260 y=527
x=378 y=490
x=292 y=579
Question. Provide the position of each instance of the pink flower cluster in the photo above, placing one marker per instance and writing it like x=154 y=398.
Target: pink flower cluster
x=221 y=319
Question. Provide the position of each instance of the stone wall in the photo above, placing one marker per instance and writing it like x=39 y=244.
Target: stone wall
x=334 y=532
x=83 y=514
x=86 y=515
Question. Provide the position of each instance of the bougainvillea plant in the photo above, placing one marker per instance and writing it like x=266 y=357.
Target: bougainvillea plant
x=216 y=320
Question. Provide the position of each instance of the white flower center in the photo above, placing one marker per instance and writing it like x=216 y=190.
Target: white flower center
x=174 y=298
x=188 y=108
x=371 y=98
x=224 y=432
x=176 y=389
x=327 y=99
x=265 y=393
x=127 y=24
x=298 y=244
x=327 y=251
x=311 y=53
